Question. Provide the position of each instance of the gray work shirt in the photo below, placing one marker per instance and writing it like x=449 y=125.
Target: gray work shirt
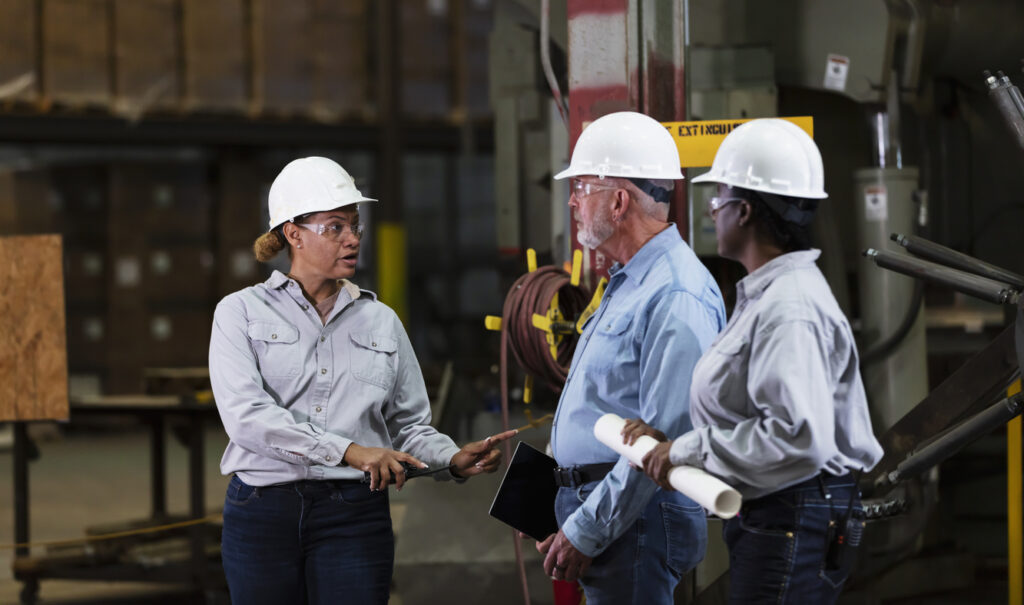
x=294 y=391
x=778 y=397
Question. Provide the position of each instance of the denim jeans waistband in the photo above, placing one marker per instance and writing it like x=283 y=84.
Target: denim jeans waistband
x=815 y=484
x=316 y=484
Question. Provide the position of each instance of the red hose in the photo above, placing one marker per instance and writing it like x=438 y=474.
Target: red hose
x=533 y=293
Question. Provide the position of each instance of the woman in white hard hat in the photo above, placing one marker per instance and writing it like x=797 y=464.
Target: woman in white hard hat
x=778 y=406
x=318 y=387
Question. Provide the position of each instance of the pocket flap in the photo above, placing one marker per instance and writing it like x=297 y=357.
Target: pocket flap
x=613 y=326
x=376 y=342
x=273 y=332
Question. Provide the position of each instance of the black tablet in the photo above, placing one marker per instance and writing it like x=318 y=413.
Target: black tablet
x=526 y=496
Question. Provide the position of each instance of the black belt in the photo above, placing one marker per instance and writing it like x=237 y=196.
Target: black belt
x=575 y=476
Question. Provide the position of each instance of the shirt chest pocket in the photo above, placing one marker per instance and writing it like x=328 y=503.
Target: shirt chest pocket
x=372 y=358
x=277 y=348
x=609 y=346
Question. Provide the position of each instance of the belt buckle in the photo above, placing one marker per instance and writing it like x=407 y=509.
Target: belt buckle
x=568 y=476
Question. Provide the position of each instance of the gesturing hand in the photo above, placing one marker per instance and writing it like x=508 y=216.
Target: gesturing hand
x=657 y=464
x=381 y=463
x=479 y=456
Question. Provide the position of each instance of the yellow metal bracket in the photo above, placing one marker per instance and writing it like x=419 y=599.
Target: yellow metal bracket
x=577 y=267
x=595 y=302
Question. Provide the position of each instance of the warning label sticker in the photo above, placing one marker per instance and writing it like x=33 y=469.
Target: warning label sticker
x=698 y=141
x=876 y=203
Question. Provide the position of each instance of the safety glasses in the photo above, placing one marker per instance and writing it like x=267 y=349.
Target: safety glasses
x=334 y=231
x=582 y=189
x=717 y=203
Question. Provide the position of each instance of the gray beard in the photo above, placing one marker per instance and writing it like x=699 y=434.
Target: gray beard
x=596 y=235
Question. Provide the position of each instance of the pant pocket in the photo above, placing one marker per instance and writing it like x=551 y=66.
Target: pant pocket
x=836 y=577
x=761 y=560
x=241 y=493
x=686 y=536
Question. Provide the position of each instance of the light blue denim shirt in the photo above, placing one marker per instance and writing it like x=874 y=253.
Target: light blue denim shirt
x=294 y=392
x=778 y=398
x=636 y=354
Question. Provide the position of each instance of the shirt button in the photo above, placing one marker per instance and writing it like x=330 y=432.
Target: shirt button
x=319 y=409
x=323 y=370
x=328 y=458
x=273 y=336
x=305 y=307
x=323 y=338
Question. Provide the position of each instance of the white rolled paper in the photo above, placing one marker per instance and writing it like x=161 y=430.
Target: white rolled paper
x=704 y=489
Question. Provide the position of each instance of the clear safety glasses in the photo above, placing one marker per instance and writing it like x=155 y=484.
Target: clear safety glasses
x=334 y=231
x=717 y=203
x=583 y=189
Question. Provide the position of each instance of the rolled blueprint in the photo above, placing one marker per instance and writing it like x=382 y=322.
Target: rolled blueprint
x=704 y=489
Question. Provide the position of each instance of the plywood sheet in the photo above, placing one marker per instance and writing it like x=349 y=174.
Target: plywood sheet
x=33 y=358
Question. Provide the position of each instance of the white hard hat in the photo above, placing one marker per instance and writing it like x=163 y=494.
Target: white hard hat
x=625 y=144
x=309 y=185
x=769 y=155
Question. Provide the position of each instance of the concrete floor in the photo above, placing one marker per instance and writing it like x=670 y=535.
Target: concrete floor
x=448 y=548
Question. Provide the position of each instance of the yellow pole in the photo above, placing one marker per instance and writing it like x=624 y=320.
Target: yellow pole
x=391 y=267
x=1014 y=505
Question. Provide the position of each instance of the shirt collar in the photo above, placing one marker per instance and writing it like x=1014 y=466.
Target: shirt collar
x=754 y=284
x=644 y=259
x=277 y=280
x=280 y=280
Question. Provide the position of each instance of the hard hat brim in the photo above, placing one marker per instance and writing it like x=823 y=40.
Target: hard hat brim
x=362 y=200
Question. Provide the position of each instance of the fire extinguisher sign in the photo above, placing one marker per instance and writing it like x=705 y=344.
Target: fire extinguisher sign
x=876 y=203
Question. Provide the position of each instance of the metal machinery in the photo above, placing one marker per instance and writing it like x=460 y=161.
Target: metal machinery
x=909 y=146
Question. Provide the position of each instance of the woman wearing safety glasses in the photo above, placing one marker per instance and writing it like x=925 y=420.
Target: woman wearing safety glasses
x=318 y=387
x=778 y=407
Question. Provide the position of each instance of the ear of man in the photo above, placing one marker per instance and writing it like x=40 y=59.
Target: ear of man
x=621 y=205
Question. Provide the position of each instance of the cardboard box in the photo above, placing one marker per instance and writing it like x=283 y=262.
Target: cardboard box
x=36 y=210
x=19 y=76
x=282 y=60
x=216 y=55
x=76 y=52
x=78 y=195
x=8 y=204
x=146 y=36
x=426 y=66
x=85 y=276
x=179 y=274
x=177 y=338
x=341 y=61
x=158 y=204
x=241 y=205
x=87 y=341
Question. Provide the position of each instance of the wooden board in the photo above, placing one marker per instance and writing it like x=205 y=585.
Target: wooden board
x=33 y=360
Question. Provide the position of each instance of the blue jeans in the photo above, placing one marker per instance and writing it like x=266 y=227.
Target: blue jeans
x=643 y=566
x=778 y=543
x=307 y=542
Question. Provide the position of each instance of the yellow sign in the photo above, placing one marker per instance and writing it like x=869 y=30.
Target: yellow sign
x=698 y=141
